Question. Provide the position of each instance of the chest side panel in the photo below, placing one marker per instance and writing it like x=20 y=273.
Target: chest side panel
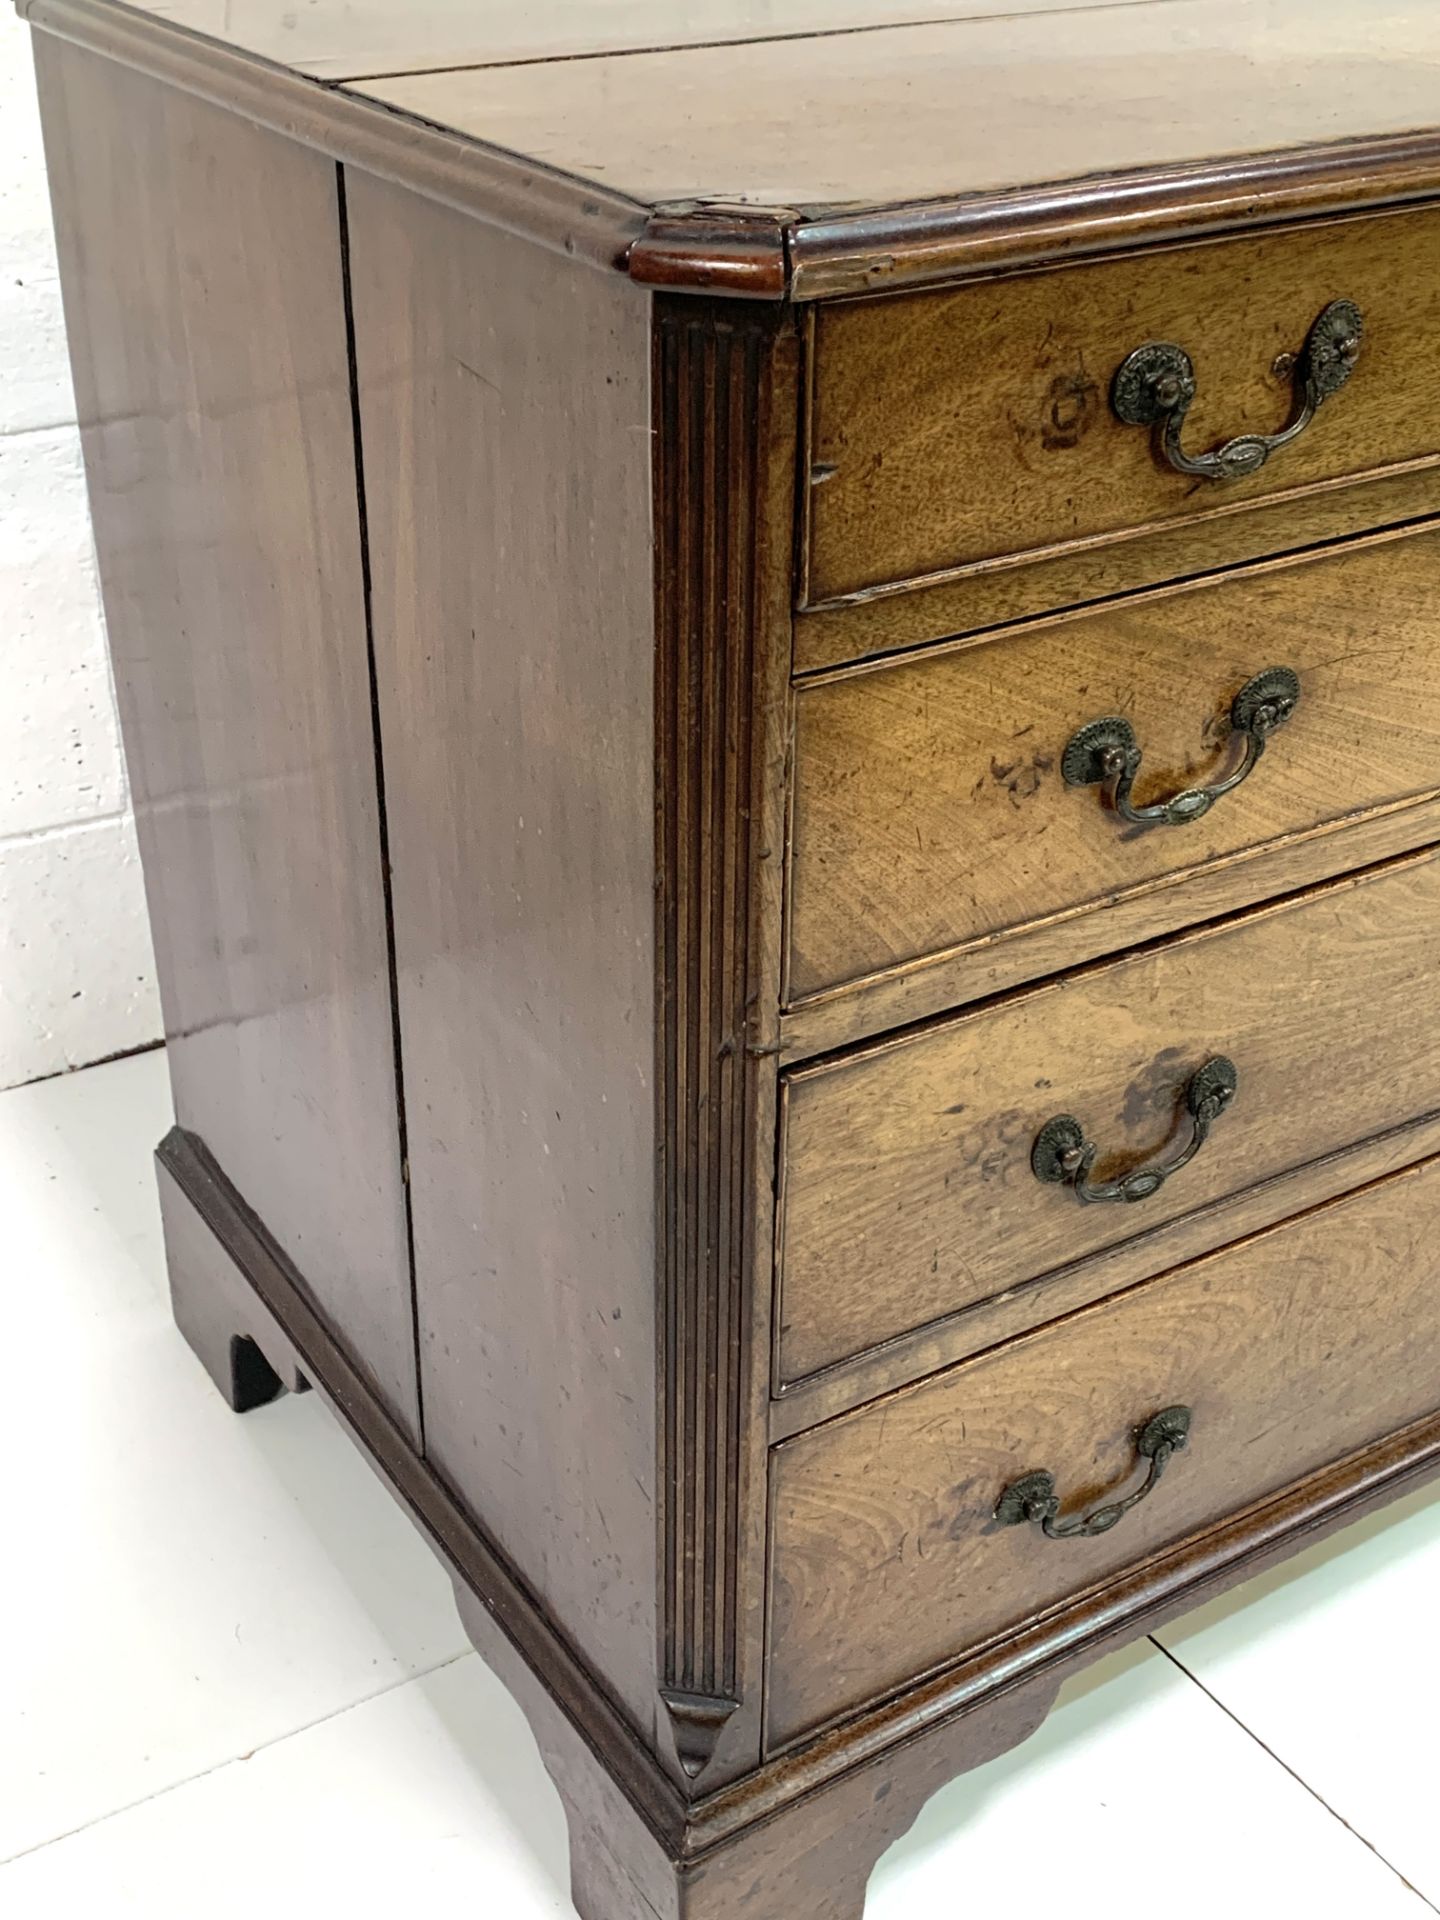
x=204 y=299
x=504 y=400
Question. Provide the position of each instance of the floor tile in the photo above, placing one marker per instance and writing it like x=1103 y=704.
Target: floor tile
x=195 y=1584
x=430 y=1801
x=65 y=997
x=1138 y=1796
x=1334 y=1662
x=59 y=743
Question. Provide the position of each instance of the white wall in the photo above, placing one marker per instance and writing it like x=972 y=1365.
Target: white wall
x=76 y=970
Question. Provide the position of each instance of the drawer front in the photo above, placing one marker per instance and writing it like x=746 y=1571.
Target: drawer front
x=1291 y=1350
x=952 y=429
x=931 y=808
x=908 y=1192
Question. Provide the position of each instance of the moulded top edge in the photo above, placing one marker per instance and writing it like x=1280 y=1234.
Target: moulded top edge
x=502 y=144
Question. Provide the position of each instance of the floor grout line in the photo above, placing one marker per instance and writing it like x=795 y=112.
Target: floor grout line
x=68 y=425
x=64 y=829
x=1298 y=1778
x=240 y=1759
x=84 y=1066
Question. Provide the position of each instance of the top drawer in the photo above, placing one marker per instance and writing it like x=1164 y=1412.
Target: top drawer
x=951 y=430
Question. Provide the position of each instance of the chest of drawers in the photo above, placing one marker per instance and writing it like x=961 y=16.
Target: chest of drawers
x=782 y=682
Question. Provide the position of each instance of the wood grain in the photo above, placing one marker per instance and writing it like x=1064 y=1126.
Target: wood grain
x=1079 y=1283
x=580 y=221
x=507 y=457
x=930 y=812
x=711 y=245
x=726 y=398
x=952 y=427
x=580 y=504
x=811 y=1862
x=926 y=112
x=907 y=1187
x=339 y=39
x=909 y=994
x=891 y=249
x=1181 y=554
x=1292 y=1349
x=222 y=484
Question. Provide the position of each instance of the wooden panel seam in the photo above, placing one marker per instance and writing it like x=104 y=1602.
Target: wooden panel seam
x=857 y=651
x=450 y=1528
x=1162 y=883
x=382 y=821
x=764 y=252
x=792 y=1396
x=919 y=998
x=574 y=217
x=889 y=1044
x=1157 y=1589
x=1121 y=536
x=1359 y=541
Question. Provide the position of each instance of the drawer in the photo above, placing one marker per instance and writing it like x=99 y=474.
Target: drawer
x=907 y=1189
x=955 y=429
x=1291 y=1350
x=931 y=812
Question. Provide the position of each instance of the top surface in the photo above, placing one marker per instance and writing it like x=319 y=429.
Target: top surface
x=815 y=105
x=348 y=39
x=913 y=113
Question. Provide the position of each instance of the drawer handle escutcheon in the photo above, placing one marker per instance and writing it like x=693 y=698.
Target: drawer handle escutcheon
x=1105 y=753
x=1155 y=386
x=1033 y=1498
x=1062 y=1154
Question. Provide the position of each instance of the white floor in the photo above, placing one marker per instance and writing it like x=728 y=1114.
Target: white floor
x=232 y=1680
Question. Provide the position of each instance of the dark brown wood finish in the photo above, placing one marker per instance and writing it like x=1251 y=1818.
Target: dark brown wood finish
x=222 y=483
x=482 y=755
x=1349 y=145
x=910 y=994
x=520 y=699
x=580 y=220
x=725 y=410
x=506 y=442
x=954 y=238
x=227 y=1324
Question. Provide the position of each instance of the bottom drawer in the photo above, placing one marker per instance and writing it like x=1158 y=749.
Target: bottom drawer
x=1291 y=1349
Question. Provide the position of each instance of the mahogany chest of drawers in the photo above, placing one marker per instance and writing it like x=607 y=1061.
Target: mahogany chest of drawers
x=781 y=671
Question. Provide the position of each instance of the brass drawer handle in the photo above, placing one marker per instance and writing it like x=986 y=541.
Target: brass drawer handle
x=1155 y=386
x=1105 y=753
x=1061 y=1152
x=1033 y=1498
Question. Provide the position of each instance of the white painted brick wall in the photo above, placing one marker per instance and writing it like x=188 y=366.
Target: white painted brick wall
x=77 y=976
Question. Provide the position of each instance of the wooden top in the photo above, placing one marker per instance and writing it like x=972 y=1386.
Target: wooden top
x=816 y=147
x=968 y=106
x=347 y=39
